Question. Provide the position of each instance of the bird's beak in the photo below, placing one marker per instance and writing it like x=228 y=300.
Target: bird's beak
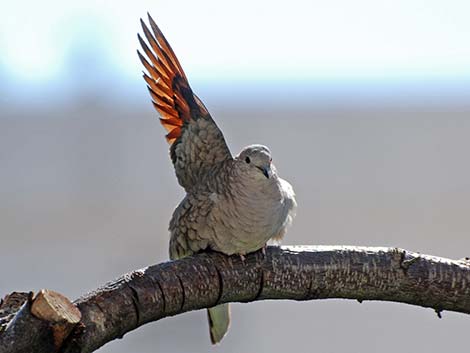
x=266 y=171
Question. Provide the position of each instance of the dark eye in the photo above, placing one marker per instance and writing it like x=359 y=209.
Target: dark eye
x=247 y=160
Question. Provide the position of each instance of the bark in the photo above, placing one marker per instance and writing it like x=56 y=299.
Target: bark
x=296 y=273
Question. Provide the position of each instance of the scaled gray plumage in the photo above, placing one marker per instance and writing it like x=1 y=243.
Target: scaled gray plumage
x=233 y=205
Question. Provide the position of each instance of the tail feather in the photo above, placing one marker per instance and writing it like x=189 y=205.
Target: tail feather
x=219 y=322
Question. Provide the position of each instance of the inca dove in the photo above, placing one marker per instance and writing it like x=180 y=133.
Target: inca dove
x=233 y=205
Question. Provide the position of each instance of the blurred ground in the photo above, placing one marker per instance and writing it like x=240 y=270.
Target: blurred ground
x=87 y=189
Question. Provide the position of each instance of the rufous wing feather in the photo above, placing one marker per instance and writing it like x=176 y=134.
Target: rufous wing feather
x=167 y=83
x=196 y=143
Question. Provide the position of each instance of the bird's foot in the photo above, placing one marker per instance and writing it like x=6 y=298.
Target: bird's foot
x=242 y=257
x=263 y=250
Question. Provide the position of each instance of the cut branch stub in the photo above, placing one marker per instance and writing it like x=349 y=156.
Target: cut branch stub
x=58 y=311
x=40 y=325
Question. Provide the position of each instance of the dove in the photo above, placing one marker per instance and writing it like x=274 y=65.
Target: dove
x=233 y=204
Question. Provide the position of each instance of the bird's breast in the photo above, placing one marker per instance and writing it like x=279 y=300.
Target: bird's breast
x=246 y=218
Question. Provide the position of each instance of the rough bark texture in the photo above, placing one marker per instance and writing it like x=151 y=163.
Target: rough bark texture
x=297 y=273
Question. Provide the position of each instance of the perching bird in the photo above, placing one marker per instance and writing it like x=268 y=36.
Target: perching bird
x=233 y=205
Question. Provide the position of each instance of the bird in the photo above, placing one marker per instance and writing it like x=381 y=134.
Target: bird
x=233 y=204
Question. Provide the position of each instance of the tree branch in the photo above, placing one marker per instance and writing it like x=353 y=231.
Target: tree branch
x=297 y=273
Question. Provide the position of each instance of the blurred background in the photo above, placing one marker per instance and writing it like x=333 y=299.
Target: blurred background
x=365 y=106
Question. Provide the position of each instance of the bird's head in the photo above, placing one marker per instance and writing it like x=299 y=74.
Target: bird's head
x=256 y=161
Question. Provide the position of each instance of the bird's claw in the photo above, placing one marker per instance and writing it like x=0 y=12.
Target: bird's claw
x=263 y=250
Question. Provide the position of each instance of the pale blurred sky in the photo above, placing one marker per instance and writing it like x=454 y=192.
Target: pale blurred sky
x=49 y=42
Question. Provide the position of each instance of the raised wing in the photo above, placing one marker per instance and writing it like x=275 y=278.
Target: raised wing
x=196 y=142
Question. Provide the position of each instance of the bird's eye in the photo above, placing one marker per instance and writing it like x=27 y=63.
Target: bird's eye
x=247 y=160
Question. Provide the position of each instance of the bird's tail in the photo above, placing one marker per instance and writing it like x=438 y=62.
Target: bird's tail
x=219 y=322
